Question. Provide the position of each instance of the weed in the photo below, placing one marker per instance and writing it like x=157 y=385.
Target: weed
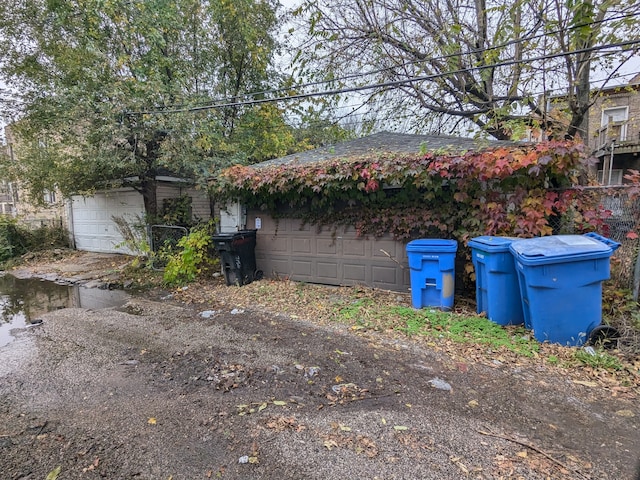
x=553 y=360
x=353 y=310
x=191 y=257
x=17 y=239
x=414 y=326
x=462 y=329
x=599 y=360
x=300 y=289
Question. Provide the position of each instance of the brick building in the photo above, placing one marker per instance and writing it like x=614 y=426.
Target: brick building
x=8 y=193
x=614 y=131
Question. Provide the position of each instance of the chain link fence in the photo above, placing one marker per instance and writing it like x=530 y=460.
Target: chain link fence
x=621 y=224
x=621 y=212
x=164 y=238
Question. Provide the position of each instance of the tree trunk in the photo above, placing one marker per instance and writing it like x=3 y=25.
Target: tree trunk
x=149 y=190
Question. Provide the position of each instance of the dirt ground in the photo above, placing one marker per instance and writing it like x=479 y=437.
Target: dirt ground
x=162 y=389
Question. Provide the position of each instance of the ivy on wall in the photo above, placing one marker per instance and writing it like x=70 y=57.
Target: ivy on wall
x=496 y=191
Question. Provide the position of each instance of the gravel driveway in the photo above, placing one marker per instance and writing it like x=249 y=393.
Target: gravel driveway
x=157 y=391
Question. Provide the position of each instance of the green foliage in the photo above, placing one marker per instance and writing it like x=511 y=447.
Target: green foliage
x=466 y=329
x=135 y=238
x=191 y=257
x=17 y=239
x=437 y=324
x=85 y=71
x=46 y=236
x=499 y=191
x=12 y=242
x=600 y=360
x=176 y=211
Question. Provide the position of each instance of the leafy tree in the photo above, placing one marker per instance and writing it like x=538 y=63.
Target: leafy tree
x=484 y=63
x=109 y=89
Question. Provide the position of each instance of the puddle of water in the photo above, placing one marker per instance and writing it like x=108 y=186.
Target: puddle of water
x=23 y=301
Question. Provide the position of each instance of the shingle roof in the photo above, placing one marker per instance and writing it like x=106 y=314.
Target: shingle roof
x=385 y=142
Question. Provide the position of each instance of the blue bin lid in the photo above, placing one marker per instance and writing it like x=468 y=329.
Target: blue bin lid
x=491 y=244
x=558 y=248
x=437 y=245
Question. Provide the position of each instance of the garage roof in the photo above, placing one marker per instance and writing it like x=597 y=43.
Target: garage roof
x=385 y=142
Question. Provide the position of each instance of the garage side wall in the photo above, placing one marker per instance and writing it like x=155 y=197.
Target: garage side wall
x=287 y=249
x=200 y=209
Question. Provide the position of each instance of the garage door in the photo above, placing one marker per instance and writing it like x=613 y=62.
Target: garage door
x=93 y=228
x=287 y=249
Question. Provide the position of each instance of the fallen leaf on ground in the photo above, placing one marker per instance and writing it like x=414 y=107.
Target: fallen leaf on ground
x=625 y=413
x=53 y=474
x=585 y=383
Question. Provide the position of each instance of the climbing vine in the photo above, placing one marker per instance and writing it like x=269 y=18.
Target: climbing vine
x=514 y=190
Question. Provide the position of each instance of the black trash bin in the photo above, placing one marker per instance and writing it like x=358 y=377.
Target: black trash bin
x=238 y=256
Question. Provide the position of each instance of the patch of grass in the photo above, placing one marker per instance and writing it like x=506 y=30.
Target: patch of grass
x=413 y=320
x=353 y=311
x=300 y=289
x=600 y=360
x=479 y=330
x=439 y=324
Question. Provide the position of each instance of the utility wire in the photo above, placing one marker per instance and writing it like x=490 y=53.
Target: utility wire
x=393 y=83
x=413 y=62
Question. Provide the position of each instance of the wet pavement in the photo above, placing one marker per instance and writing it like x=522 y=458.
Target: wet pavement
x=23 y=301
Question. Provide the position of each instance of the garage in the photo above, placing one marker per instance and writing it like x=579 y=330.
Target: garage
x=286 y=248
x=93 y=228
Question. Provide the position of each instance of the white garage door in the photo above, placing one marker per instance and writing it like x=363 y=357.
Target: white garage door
x=93 y=228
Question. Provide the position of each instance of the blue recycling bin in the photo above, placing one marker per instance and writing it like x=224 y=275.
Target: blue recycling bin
x=432 y=269
x=560 y=279
x=497 y=284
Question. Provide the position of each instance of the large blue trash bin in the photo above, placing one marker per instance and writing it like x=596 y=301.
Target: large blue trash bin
x=560 y=280
x=432 y=267
x=497 y=285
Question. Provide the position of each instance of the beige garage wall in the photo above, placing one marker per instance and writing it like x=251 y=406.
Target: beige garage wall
x=287 y=249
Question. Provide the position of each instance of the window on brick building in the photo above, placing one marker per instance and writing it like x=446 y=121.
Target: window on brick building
x=614 y=119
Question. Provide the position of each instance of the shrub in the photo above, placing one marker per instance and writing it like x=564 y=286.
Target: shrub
x=12 y=241
x=17 y=239
x=192 y=256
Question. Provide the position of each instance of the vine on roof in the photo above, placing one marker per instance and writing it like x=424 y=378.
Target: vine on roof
x=498 y=191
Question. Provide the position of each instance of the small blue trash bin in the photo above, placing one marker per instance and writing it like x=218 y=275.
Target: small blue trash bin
x=497 y=285
x=560 y=280
x=432 y=268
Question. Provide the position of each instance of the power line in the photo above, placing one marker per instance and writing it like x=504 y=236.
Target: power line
x=390 y=116
x=404 y=64
x=393 y=83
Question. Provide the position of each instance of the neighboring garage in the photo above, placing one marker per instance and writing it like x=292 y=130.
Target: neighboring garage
x=288 y=249
x=93 y=228
x=91 y=217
